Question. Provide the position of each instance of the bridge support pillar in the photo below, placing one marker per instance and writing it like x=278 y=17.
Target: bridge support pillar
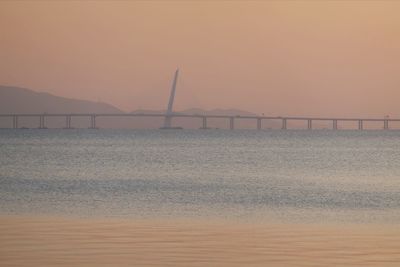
x=284 y=124
x=386 y=124
x=334 y=122
x=231 y=123
x=68 y=122
x=360 y=125
x=93 y=122
x=204 y=123
x=41 y=122
x=309 y=124
x=15 y=122
x=258 y=123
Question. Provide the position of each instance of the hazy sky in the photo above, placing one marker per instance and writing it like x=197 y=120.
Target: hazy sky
x=337 y=58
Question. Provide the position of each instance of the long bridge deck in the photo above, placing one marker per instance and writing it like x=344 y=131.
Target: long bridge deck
x=258 y=119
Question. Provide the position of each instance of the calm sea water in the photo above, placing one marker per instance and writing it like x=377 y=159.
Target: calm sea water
x=291 y=176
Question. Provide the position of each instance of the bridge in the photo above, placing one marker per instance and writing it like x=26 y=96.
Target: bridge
x=169 y=115
x=202 y=118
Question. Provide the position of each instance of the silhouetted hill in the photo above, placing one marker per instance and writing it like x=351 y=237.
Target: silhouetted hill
x=148 y=111
x=18 y=100
x=199 y=111
x=22 y=100
x=227 y=112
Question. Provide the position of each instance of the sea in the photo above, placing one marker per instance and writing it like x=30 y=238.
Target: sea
x=291 y=176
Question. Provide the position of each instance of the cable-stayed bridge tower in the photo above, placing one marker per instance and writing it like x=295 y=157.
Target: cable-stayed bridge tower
x=169 y=112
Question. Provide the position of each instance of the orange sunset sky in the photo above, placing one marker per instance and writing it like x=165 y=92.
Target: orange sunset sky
x=317 y=58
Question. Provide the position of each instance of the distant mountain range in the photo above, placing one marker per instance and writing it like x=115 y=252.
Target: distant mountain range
x=199 y=111
x=22 y=100
x=17 y=100
x=25 y=101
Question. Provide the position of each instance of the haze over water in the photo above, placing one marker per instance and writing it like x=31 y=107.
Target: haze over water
x=320 y=176
x=281 y=58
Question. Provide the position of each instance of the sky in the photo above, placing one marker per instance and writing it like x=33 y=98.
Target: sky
x=280 y=58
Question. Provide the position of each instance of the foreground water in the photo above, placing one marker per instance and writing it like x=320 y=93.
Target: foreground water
x=44 y=241
x=284 y=176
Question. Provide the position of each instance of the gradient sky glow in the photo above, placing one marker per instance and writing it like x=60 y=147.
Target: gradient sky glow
x=337 y=58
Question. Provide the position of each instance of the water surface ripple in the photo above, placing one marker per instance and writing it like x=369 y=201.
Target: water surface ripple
x=294 y=175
